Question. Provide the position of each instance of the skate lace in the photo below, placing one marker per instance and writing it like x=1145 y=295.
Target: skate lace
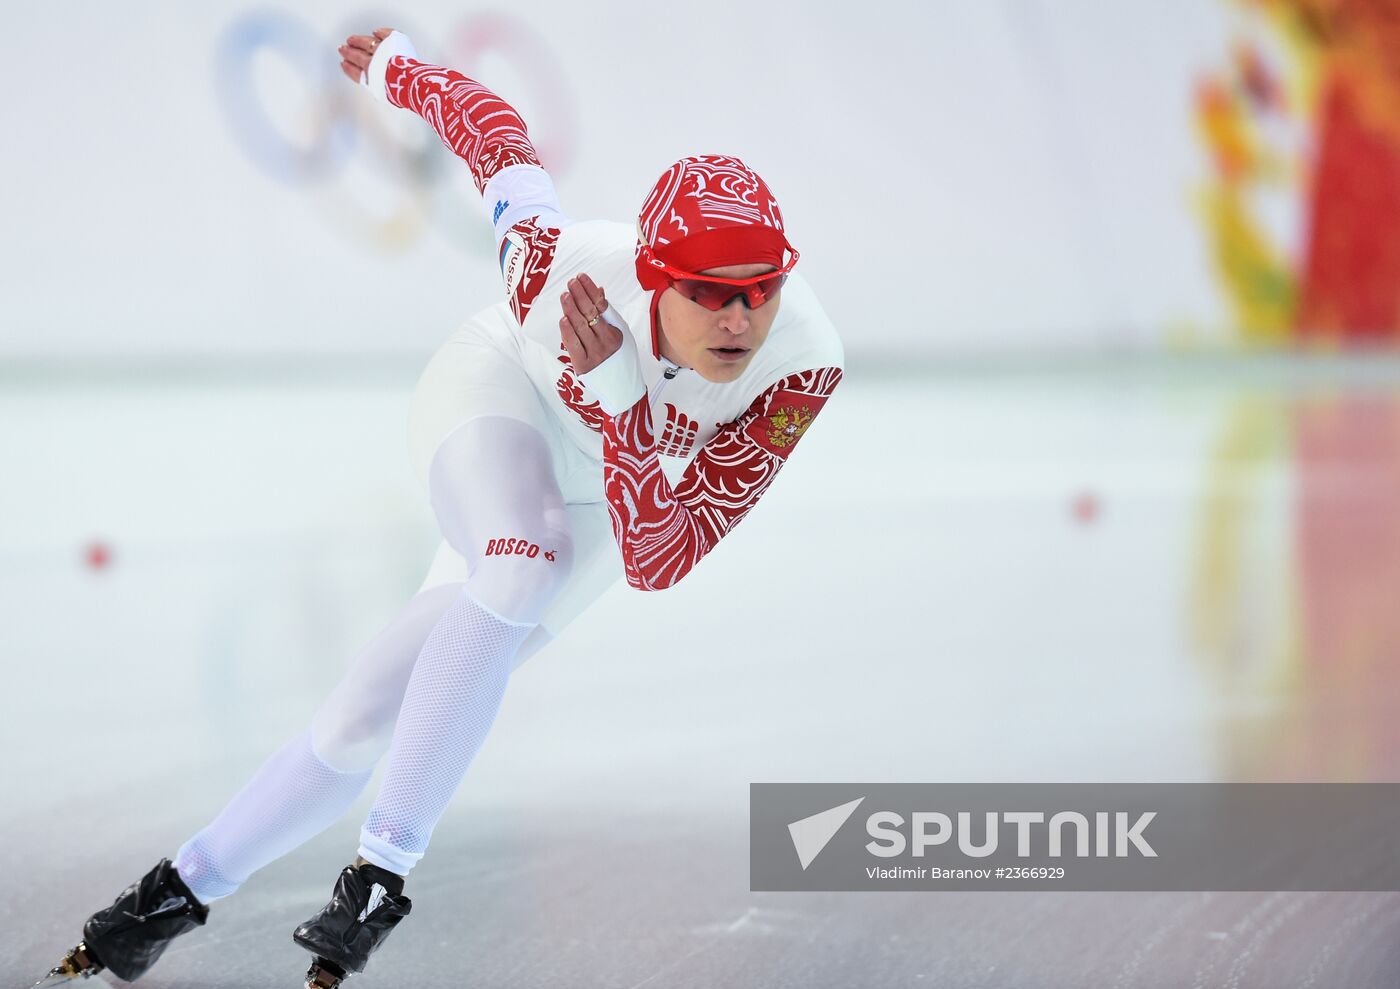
x=175 y=907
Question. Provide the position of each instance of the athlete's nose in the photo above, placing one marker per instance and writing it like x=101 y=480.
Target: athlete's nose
x=734 y=317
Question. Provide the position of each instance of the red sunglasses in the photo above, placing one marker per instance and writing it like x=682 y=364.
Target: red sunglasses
x=716 y=293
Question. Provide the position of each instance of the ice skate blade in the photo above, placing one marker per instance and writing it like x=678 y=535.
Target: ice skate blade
x=75 y=965
x=324 y=975
x=56 y=978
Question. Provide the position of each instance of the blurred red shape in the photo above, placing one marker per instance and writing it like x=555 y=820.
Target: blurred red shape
x=97 y=555
x=1086 y=507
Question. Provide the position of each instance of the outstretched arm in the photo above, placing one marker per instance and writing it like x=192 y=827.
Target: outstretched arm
x=485 y=132
x=472 y=122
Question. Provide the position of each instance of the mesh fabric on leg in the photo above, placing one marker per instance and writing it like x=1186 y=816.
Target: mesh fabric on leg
x=452 y=699
x=290 y=799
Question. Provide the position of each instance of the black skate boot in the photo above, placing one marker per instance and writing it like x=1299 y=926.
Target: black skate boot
x=129 y=937
x=367 y=904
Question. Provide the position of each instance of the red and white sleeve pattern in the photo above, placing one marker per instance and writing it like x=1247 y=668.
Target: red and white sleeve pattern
x=485 y=132
x=663 y=532
x=476 y=125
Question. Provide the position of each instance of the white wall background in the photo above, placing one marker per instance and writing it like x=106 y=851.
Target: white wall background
x=962 y=176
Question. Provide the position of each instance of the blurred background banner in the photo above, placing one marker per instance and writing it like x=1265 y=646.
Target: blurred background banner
x=967 y=177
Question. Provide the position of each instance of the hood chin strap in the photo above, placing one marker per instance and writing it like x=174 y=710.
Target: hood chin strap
x=654 y=317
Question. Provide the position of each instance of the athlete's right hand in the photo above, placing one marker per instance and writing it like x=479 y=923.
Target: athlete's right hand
x=588 y=343
x=604 y=355
x=357 y=51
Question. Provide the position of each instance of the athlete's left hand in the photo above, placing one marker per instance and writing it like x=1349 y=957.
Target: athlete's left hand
x=357 y=51
x=588 y=346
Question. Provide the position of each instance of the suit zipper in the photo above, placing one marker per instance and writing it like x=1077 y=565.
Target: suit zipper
x=667 y=376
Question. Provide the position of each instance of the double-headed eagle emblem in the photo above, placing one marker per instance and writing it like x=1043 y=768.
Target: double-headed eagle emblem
x=786 y=426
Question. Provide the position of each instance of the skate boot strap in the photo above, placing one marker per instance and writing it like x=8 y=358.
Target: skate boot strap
x=198 y=911
x=391 y=881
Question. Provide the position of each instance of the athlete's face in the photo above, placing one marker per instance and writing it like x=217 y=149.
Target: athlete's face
x=717 y=344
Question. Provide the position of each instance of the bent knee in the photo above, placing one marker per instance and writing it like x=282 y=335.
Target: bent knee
x=351 y=741
x=517 y=577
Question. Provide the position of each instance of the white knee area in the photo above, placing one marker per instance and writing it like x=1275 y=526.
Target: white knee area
x=354 y=740
x=518 y=586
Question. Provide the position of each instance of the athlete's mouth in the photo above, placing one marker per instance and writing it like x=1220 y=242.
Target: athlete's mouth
x=730 y=353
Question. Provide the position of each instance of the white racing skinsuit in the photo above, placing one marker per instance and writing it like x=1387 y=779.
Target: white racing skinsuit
x=544 y=496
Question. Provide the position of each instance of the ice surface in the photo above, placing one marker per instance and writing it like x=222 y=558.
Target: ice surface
x=1088 y=576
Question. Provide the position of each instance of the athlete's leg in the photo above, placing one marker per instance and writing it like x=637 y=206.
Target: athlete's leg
x=352 y=728
x=310 y=782
x=597 y=566
x=498 y=504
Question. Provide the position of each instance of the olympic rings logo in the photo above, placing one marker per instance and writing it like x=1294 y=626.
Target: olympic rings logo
x=379 y=179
